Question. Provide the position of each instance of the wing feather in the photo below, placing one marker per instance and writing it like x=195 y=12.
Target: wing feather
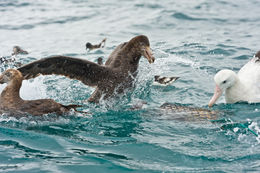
x=87 y=72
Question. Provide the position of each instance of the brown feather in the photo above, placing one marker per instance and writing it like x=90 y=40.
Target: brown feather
x=119 y=70
x=10 y=100
x=87 y=72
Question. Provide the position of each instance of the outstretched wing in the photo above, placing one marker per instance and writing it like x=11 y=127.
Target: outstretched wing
x=87 y=72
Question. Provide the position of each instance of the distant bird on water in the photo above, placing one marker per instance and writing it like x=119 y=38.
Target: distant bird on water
x=18 y=50
x=90 y=46
x=164 y=80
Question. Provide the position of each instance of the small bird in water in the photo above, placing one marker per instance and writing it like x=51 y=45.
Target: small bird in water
x=11 y=102
x=90 y=46
x=164 y=80
x=11 y=59
x=18 y=50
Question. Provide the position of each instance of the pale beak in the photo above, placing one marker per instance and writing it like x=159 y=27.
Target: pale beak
x=148 y=54
x=217 y=94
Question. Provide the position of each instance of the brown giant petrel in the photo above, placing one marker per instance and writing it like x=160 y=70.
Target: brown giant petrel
x=117 y=74
x=11 y=102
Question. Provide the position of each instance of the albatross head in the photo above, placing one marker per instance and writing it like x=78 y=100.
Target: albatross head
x=141 y=44
x=224 y=79
x=10 y=75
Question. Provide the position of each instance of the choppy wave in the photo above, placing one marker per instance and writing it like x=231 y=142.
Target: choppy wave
x=190 y=39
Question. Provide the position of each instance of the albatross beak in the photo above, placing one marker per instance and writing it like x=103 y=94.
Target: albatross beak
x=149 y=55
x=217 y=94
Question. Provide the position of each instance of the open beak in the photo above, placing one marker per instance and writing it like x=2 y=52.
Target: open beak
x=217 y=94
x=148 y=54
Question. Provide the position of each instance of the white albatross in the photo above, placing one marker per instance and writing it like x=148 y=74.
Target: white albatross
x=243 y=86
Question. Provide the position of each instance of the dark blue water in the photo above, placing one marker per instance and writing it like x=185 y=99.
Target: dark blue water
x=190 y=39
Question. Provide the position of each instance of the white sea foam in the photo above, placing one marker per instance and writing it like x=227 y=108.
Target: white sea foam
x=32 y=89
x=254 y=126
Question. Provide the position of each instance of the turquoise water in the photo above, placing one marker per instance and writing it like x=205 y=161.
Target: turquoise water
x=190 y=39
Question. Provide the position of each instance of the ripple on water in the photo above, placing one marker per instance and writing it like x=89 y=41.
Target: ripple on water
x=190 y=39
x=182 y=16
x=14 y=4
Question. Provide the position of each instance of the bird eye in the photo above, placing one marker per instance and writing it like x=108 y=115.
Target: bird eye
x=224 y=81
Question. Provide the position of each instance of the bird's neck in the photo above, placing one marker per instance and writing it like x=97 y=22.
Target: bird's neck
x=133 y=57
x=11 y=93
x=236 y=93
x=132 y=50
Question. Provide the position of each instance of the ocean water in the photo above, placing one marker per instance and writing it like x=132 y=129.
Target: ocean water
x=190 y=39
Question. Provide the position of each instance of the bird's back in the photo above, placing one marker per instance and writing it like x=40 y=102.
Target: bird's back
x=41 y=106
x=249 y=75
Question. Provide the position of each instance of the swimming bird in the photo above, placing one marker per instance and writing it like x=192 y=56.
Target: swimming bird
x=10 y=100
x=164 y=80
x=18 y=50
x=117 y=74
x=241 y=86
x=90 y=46
x=11 y=59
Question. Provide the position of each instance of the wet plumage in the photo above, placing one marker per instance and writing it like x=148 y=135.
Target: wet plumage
x=10 y=100
x=117 y=74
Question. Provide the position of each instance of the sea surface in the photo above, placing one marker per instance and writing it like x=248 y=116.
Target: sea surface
x=190 y=39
